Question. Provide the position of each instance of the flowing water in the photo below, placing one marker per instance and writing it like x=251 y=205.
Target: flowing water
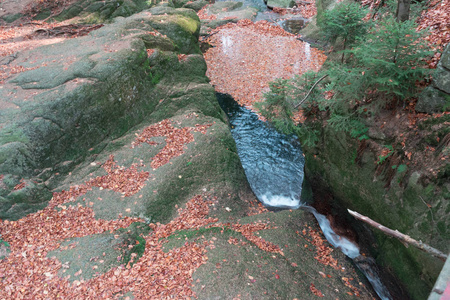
x=365 y=264
x=273 y=164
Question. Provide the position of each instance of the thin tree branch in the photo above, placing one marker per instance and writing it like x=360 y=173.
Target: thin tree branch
x=402 y=237
x=307 y=95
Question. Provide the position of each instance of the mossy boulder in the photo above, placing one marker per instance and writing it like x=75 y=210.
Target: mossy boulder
x=224 y=6
x=214 y=169
x=96 y=254
x=228 y=12
x=280 y=3
x=196 y=5
x=79 y=11
x=182 y=27
x=436 y=98
x=83 y=92
x=239 y=268
x=96 y=11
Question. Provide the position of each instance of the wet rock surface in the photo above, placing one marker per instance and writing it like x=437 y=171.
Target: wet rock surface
x=436 y=98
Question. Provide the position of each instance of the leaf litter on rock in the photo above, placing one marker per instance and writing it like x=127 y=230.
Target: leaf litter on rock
x=29 y=273
x=176 y=139
x=247 y=56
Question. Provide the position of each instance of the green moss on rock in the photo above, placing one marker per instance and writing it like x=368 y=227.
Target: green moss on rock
x=361 y=187
x=96 y=254
x=108 y=87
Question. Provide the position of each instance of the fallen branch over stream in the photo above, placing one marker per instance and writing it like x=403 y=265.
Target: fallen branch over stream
x=306 y=97
x=402 y=237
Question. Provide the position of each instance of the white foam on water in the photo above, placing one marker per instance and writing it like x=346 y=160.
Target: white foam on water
x=347 y=247
x=351 y=250
x=227 y=44
x=308 y=51
x=279 y=201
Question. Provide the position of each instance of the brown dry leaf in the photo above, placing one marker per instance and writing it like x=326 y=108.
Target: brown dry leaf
x=147 y=278
x=128 y=181
x=437 y=21
x=315 y=291
x=323 y=251
x=176 y=139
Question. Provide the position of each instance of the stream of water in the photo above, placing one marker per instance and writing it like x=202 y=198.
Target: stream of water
x=273 y=164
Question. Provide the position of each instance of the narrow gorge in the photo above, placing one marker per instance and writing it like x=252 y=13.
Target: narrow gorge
x=134 y=165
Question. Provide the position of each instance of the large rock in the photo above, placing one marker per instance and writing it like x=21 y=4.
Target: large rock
x=442 y=78
x=224 y=12
x=407 y=203
x=81 y=93
x=445 y=58
x=196 y=5
x=232 y=10
x=224 y=6
x=280 y=3
x=98 y=11
x=86 y=11
x=436 y=98
x=432 y=100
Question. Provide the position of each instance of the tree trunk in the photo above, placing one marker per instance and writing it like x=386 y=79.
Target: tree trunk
x=343 y=51
x=402 y=13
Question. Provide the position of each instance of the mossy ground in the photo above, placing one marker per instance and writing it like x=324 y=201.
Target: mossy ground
x=97 y=254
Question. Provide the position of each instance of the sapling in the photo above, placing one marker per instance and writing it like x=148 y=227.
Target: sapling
x=344 y=21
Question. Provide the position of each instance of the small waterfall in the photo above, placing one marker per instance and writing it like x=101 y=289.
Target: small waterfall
x=273 y=164
x=369 y=268
x=365 y=264
x=349 y=248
